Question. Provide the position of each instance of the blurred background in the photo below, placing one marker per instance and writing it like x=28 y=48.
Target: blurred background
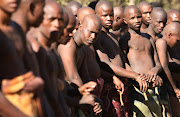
x=166 y=4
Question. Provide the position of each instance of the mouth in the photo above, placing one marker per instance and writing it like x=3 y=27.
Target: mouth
x=137 y=25
x=109 y=24
x=160 y=30
x=13 y=4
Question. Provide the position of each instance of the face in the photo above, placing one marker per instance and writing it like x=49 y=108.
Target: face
x=158 y=23
x=118 y=22
x=52 y=22
x=9 y=6
x=67 y=33
x=106 y=16
x=146 y=11
x=133 y=19
x=38 y=13
x=90 y=33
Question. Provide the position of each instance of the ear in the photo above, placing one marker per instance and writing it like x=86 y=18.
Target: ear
x=169 y=35
x=32 y=7
x=80 y=27
x=125 y=21
x=117 y=18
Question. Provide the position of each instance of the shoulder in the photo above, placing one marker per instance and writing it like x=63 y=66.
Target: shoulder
x=161 y=43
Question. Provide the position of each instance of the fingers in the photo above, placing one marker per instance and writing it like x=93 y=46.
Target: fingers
x=122 y=91
x=140 y=85
x=97 y=108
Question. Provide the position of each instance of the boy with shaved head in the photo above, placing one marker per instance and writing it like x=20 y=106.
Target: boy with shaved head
x=171 y=38
x=73 y=54
x=41 y=39
x=142 y=57
x=157 y=23
x=119 y=27
x=112 y=60
x=74 y=6
x=173 y=15
x=145 y=9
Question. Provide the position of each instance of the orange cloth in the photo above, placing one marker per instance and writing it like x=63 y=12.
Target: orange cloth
x=24 y=101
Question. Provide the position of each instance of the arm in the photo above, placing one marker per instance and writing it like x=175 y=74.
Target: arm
x=67 y=53
x=154 y=71
x=162 y=53
x=119 y=71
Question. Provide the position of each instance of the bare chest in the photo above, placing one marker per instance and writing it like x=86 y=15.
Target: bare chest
x=140 y=44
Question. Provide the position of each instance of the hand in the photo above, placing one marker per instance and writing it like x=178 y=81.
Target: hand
x=157 y=82
x=88 y=99
x=118 y=84
x=143 y=84
x=177 y=91
x=87 y=88
x=151 y=74
x=35 y=85
x=97 y=108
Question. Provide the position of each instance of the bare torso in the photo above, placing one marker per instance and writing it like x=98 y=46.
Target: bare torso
x=140 y=54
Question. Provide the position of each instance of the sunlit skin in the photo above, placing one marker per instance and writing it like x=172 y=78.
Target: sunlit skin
x=74 y=6
x=145 y=9
x=158 y=22
x=167 y=47
x=173 y=15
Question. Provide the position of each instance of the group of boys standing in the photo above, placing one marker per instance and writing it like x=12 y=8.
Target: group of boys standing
x=65 y=61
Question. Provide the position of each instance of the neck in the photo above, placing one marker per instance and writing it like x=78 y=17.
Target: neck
x=144 y=26
x=43 y=40
x=78 y=38
x=105 y=30
x=134 y=31
x=5 y=18
x=151 y=31
x=21 y=20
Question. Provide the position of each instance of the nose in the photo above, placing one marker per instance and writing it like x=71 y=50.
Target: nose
x=93 y=35
x=148 y=15
x=108 y=17
x=70 y=34
x=162 y=25
x=56 y=23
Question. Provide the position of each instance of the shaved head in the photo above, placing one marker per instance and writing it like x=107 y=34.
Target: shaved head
x=142 y=4
x=146 y=10
x=158 y=19
x=118 y=18
x=106 y=14
x=74 y=6
x=52 y=6
x=130 y=10
x=133 y=17
x=90 y=29
x=171 y=34
x=53 y=20
x=92 y=18
x=172 y=27
x=158 y=12
x=102 y=5
x=82 y=12
x=173 y=15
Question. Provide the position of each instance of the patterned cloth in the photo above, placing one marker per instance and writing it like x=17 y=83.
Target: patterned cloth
x=111 y=101
x=139 y=107
x=24 y=101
